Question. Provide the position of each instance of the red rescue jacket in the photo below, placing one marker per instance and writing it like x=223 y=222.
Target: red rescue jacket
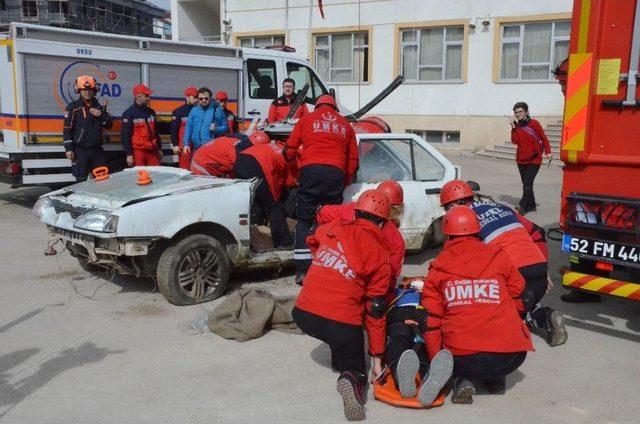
x=326 y=138
x=280 y=108
x=350 y=267
x=273 y=165
x=471 y=295
x=529 y=148
x=215 y=158
x=390 y=232
x=536 y=233
x=139 y=130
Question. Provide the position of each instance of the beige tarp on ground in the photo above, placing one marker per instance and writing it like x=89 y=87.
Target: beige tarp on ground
x=249 y=313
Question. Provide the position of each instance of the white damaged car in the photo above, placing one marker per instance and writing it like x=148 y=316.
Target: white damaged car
x=191 y=232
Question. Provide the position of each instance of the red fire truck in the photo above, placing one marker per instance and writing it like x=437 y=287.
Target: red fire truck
x=600 y=214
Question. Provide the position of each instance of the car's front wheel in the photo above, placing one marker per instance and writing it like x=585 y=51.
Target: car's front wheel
x=193 y=270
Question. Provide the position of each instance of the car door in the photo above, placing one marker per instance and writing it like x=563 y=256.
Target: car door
x=417 y=166
x=261 y=85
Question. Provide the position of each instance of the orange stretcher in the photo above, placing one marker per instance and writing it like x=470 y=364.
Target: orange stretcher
x=385 y=390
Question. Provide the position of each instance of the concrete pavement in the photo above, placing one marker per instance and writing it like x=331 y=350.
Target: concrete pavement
x=83 y=348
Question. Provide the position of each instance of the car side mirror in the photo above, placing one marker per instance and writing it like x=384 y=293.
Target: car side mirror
x=474 y=185
x=429 y=191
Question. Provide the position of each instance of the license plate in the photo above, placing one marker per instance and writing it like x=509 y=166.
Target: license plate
x=601 y=249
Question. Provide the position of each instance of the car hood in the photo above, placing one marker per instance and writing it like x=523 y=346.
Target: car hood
x=122 y=188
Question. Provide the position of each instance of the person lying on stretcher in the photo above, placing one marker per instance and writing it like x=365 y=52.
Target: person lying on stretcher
x=405 y=354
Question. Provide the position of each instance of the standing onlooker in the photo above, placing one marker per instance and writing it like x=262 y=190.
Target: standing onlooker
x=206 y=121
x=531 y=140
x=324 y=144
x=232 y=120
x=280 y=107
x=139 y=134
x=179 y=118
x=84 y=120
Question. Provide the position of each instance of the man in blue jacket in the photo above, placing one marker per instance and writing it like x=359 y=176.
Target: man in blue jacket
x=206 y=122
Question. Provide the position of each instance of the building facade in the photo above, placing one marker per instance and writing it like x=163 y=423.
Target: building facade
x=135 y=17
x=465 y=62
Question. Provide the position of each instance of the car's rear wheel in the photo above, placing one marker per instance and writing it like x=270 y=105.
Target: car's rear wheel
x=193 y=270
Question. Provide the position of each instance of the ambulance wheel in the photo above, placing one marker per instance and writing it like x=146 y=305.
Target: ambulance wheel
x=193 y=270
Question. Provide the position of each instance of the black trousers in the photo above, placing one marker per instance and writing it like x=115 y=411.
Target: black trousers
x=487 y=365
x=246 y=167
x=86 y=160
x=346 y=341
x=535 y=284
x=317 y=185
x=528 y=174
x=396 y=345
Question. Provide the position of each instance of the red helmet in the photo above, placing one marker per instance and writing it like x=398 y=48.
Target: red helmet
x=374 y=202
x=393 y=190
x=454 y=190
x=84 y=82
x=191 y=91
x=259 y=137
x=460 y=221
x=222 y=96
x=326 y=99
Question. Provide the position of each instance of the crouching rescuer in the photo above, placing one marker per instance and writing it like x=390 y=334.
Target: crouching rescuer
x=472 y=295
x=344 y=294
x=501 y=226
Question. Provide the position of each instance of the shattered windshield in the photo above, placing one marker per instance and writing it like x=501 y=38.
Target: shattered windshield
x=397 y=159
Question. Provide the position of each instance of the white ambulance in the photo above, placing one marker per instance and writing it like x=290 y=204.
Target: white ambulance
x=39 y=64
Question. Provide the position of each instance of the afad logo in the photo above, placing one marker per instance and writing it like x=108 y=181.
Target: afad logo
x=64 y=82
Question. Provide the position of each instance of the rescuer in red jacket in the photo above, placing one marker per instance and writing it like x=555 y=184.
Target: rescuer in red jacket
x=528 y=135
x=223 y=98
x=471 y=294
x=179 y=118
x=346 y=212
x=324 y=144
x=217 y=157
x=344 y=293
x=281 y=106
x=139 y=132
x=500 y=226
x=264 y=160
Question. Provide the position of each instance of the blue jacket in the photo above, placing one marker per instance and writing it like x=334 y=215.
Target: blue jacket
x=495 y=219
x=197 y=132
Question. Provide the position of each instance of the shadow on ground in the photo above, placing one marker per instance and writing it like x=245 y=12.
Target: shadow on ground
x=25 y=197
x=14 y=389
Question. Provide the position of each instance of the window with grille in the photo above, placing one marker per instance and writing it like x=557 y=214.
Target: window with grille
x=29 y=10
x=261 y=42
x=530 y=51
x=343 y=57
x=438 y=137
x=432 y=54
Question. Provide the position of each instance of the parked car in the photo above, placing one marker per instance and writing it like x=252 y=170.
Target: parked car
x=191 y=232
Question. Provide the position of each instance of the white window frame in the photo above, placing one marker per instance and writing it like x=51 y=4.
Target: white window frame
x=253 y=40
x=354 y=48
x=520 y=40
x=445 y=43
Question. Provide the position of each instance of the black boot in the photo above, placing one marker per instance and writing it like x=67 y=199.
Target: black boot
x=300 y=277
x=550 y=323
x=463 y=391
x=576 y=296
x=496 y=385
x=351 y=388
